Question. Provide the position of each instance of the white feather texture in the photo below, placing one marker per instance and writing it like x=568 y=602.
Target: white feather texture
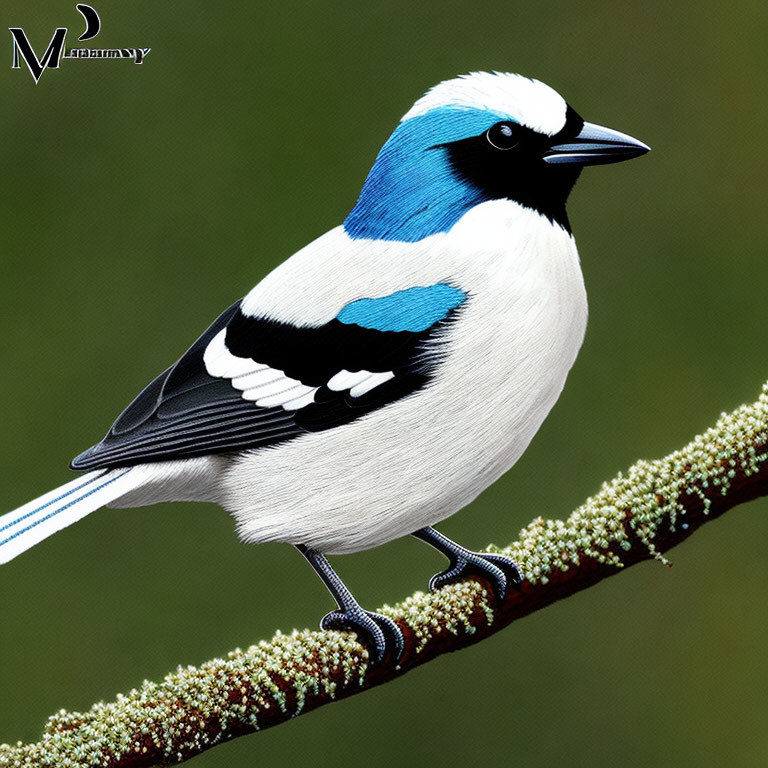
x=424 y=457
x=269 y=388
x=527 y=101
x=189 y=480
x=415 y=461
x=265 y=386
x=371 y=381
x=57 y=509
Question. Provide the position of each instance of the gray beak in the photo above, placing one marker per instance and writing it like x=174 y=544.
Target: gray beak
x=596 y=145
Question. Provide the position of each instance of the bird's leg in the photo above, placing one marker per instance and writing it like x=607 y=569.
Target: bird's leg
x=379 y=633
x=500 y=571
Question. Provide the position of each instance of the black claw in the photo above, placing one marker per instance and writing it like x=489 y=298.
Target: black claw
x=506 y=564
x=500 y=571
x=378 y=633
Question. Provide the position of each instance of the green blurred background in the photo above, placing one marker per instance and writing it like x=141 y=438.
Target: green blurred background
x=139 y=201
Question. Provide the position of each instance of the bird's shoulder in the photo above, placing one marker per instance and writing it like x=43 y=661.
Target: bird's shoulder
x=312 y=286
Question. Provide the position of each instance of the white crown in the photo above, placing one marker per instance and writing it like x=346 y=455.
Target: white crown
x=527 y=101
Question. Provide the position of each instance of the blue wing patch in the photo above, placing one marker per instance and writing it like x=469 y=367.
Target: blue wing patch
x=413 y=309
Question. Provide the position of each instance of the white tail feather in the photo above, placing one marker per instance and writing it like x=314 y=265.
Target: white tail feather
x=39 y=519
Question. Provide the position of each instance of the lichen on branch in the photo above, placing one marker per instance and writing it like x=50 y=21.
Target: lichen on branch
x=638 y=515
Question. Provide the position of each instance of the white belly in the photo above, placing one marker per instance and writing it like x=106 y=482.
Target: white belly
x=420 y=459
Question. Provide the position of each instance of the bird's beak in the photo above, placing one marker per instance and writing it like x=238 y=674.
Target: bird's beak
x=596 y=145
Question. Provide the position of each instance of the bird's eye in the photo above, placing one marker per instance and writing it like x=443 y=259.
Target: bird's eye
x=503 y=135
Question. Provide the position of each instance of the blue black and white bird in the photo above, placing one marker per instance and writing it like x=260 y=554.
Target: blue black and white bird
x=388 y=372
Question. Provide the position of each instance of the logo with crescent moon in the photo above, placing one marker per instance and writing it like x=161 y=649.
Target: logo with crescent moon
x=57 y=47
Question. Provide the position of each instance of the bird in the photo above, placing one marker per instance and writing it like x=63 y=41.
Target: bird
x=379 y=379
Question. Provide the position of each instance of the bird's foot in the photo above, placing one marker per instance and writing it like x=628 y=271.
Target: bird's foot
x=499 y=570
x=381 y=636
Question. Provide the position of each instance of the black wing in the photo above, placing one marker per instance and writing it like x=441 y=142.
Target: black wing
x=187 y=411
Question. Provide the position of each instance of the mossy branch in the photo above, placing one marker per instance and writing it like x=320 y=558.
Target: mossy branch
x=637 y=516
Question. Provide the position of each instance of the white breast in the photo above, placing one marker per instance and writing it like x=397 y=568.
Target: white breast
x=420 y=459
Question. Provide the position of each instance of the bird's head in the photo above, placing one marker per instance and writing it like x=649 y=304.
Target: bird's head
x=479 y=137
